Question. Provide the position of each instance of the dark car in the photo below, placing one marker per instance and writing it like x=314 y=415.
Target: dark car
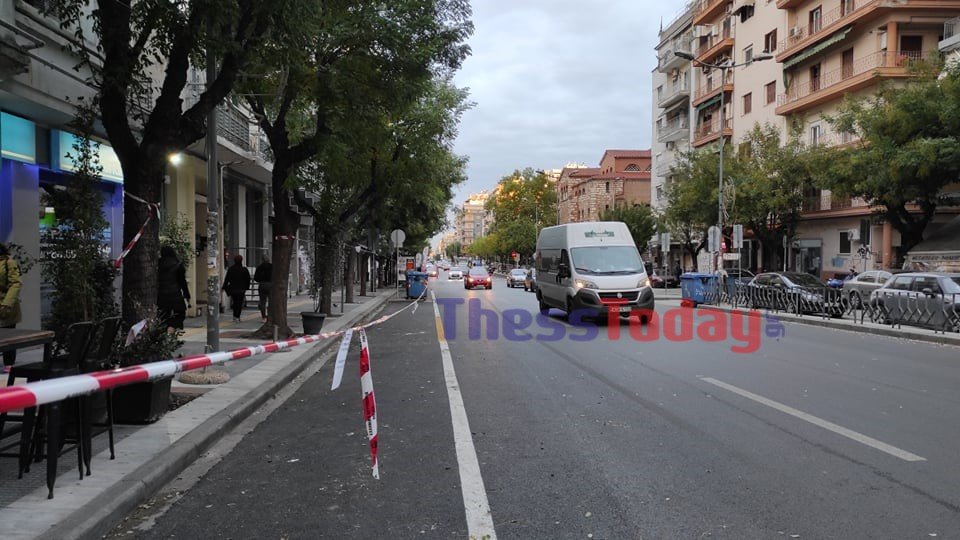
x=515 y=277
x=928 y=299
x=477 y=277
x=794 y=292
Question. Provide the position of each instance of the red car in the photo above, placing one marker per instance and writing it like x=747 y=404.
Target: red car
x=478 y=277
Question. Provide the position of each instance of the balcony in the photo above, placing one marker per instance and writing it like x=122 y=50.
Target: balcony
x=674 y=129
x=951 y=35
x=831 y=86
x=715 y=45
x=707 y=10
x=668 y=59
x=712 y=89
x=710 y=131
x=677 y=92
x=804 y=34
x=664 y=165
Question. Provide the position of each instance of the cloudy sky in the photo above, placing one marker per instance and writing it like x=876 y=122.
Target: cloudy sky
x=557 y=81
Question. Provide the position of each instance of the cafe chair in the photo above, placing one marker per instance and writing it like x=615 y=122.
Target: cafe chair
x=99 y=357
x=45 y=430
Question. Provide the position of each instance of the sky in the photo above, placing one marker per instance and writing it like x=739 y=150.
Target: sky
x=556 y=81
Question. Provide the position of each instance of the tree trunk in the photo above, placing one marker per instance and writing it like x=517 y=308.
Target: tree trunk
x=349 y=274
x=285 y=224
x=364 y=269
x=139 y=281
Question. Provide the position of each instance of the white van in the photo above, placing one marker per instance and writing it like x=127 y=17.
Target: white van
x=592 y=266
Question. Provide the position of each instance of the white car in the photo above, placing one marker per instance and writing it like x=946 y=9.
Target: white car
x=455 y=273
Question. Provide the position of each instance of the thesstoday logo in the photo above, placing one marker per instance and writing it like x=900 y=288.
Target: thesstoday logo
x=675 y=325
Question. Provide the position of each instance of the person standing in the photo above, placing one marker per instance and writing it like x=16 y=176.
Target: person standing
x=173 y=294
x=236 y=284
x=9 y=298
x=264 y=276
x=677 y=270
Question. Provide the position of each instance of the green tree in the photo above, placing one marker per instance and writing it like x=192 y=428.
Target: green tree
x=640 y=219
x=140 y=65
x=524 y=202
x=907 y=150
x=453 y=250
x=691 y=199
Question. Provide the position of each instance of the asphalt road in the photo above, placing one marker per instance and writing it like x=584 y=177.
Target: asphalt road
x=579 y=432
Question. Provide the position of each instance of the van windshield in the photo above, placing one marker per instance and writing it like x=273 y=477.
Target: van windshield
x=607 y=260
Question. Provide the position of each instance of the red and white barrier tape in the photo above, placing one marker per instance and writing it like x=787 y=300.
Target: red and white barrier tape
x=369 y=402
x=42 y=392
x=154 y=211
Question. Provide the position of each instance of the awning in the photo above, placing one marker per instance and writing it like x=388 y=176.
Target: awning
x=709 y=103
x=740 y=4
x=836 y=38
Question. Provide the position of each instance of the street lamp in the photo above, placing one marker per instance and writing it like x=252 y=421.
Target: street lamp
x=724 y=67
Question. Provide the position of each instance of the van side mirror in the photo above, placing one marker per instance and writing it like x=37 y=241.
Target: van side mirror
x=563 y=270
x=928 y=291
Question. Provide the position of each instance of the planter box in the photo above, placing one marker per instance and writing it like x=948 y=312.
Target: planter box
x=312 y=322
x=141 y=403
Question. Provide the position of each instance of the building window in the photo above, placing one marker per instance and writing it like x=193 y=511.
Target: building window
x=816 y=20
x=844 y=242
x=748 y=103
x=816 y=134
x=659 y=192
x=607 y=187
x=771 y=91
x=770 y=41
x=632 y=168
x=748 y=54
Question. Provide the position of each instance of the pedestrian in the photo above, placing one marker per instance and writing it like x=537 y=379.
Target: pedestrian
x=173 y=294
x=236 y=284
x=677 y=270
x=9 y=298
x=264 y=276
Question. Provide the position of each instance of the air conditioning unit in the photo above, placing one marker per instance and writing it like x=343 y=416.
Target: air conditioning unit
x=795 y=31
x=854 y=234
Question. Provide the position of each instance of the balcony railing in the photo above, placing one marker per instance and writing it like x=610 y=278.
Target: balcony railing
x=847 y=10
x=712 y=85
x=951 y=28
x=882 y=59
x=668 y=58
x=673 y=93
x=705 y=46
x=233 y=126
x=674 y=129
x=711 y=128
x=704 y=8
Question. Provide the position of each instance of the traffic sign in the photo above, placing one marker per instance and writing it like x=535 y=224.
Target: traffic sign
x=737 y=236
x=713 y=239
x=515 y=256
x=397 y=237
x=665 y=241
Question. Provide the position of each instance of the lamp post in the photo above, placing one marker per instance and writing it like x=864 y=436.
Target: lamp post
x=724 y=68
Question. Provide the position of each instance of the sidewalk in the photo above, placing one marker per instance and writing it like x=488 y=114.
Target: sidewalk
x=147 y=457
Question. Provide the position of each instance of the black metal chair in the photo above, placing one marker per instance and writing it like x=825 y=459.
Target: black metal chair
x=99 y=358
x=47 y=427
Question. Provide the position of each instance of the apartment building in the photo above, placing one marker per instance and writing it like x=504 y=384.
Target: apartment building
x=472 y=220
x=672 y=86
x=824 y=50
x=623 y=178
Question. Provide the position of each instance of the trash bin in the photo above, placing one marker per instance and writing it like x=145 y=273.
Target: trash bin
x=698 y=288
x=416 y=283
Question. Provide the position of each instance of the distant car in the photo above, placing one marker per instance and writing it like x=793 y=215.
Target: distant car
x=741 y=276
x=929 y=299
x=858 y=289
x=432 y=271
x=516 y=277
x=455 y=273
x=478 y=277
x=530 y=281
x=662 y=280
x=794 y=292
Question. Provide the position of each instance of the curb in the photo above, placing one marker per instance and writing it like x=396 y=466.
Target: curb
x=100 y=515
x=936 y=339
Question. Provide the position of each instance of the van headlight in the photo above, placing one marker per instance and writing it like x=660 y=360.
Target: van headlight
x=644 y=282
x=584 y=284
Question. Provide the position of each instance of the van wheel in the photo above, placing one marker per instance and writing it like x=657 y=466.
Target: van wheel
x=569 y=307
x=544 y=308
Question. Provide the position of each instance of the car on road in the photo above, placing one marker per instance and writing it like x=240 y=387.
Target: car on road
x=478 y=277
x=530 y=280
x=516 y=277
x=928 y=299
x=432 y=271
x=858 y=289
x=795 y=292
x=455 y=273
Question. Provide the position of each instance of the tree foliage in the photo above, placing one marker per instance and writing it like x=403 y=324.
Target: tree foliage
x=523 y=203
x=907 y=150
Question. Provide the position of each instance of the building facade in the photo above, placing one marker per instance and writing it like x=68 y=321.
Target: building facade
x=472 y=219
x=623 y=178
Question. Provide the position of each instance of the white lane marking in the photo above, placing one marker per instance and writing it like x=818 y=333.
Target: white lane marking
x=479 y=518
x=830 y=426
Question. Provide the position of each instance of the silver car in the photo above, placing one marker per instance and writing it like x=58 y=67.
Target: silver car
x=455 y=273
x=858 y=288
x=930 y=299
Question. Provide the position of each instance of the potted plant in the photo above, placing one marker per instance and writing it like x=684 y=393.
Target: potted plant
x=313 y=320
x=143 y=403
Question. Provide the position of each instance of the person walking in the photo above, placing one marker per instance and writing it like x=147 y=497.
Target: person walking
x=263 y=276
x=9 y=298
x=173 y=294
x=236 y=284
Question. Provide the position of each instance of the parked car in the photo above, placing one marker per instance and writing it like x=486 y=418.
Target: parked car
x=793 y=291
x=455 y=273
x=929 y=299
x=478 y=277
x=662 y=279
x=739 y=275
x=530 y=280
x=516 y=277
x=858 y=288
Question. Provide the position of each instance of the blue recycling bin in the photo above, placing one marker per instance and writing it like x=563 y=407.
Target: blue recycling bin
x=416 y=283
x=699 y=288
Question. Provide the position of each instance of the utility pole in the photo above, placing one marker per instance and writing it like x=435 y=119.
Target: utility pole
x=213 y=218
